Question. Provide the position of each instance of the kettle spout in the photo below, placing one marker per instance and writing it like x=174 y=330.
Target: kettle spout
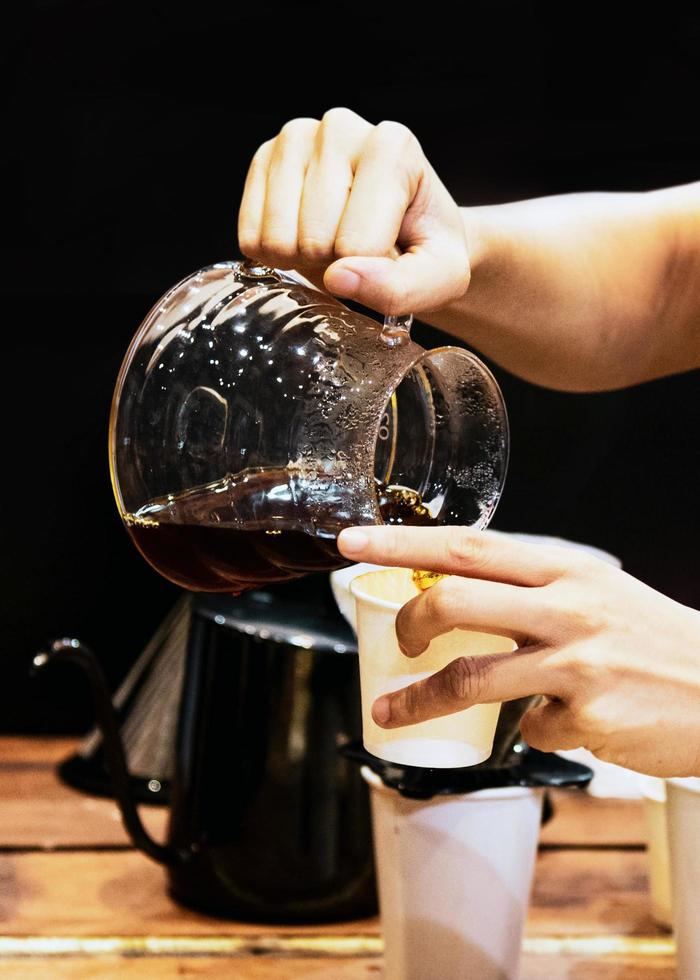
x=70 y=650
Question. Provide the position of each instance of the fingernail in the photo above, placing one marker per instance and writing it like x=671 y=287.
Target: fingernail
x=352 y=540
x=381 y=710
x=344 y=281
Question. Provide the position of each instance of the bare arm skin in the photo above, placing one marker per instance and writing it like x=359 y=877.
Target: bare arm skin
x=584 y=292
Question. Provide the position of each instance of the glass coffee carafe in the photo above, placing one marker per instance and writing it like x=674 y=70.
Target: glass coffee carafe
x=255 y=416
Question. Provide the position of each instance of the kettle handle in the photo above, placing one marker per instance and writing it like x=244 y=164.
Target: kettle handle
x=69 y=650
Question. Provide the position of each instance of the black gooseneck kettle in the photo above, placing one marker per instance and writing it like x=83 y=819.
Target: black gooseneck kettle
x=268 y=821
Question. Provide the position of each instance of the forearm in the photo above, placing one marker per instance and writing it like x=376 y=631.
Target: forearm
x=584 y=291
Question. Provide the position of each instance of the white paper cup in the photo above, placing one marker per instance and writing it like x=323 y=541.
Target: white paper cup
x=683 y=816
x=454 y=875
x=460 y=739
x=341 y=579
x=654 y=794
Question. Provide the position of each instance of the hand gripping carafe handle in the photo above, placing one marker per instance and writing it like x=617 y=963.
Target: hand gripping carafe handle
x=395 y=330
x=73 y=651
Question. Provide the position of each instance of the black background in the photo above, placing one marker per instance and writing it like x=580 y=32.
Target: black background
x=129 y=128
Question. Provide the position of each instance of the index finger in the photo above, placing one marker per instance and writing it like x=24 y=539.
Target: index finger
x=253 y=201
x=456 y=551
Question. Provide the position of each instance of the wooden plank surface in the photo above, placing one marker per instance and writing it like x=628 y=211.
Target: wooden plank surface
x=37 y=750
x=155 y=968
x=152 y=968
x=67 y=871
x=534 y=967
x=89 y=893
x=594 y=892
x=38 y=810
x=86 y=893
x=584 y=820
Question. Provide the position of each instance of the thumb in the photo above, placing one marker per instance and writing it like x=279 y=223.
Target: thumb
x=415 y=281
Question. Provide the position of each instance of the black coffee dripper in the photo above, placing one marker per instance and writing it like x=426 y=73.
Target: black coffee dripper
x=524 y=767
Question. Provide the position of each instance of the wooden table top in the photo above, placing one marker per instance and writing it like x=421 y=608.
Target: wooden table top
x=76 y=900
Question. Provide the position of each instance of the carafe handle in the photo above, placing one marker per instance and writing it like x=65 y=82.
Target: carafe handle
x=250 y=271
x=396 y=330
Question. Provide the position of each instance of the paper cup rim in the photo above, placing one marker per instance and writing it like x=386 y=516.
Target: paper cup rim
x=374 y=601
x=689 y=784
x=652 y=788
x=493 y=793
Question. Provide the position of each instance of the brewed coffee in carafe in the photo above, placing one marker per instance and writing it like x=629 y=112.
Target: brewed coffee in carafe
x=206 y=548
x=254 y=417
